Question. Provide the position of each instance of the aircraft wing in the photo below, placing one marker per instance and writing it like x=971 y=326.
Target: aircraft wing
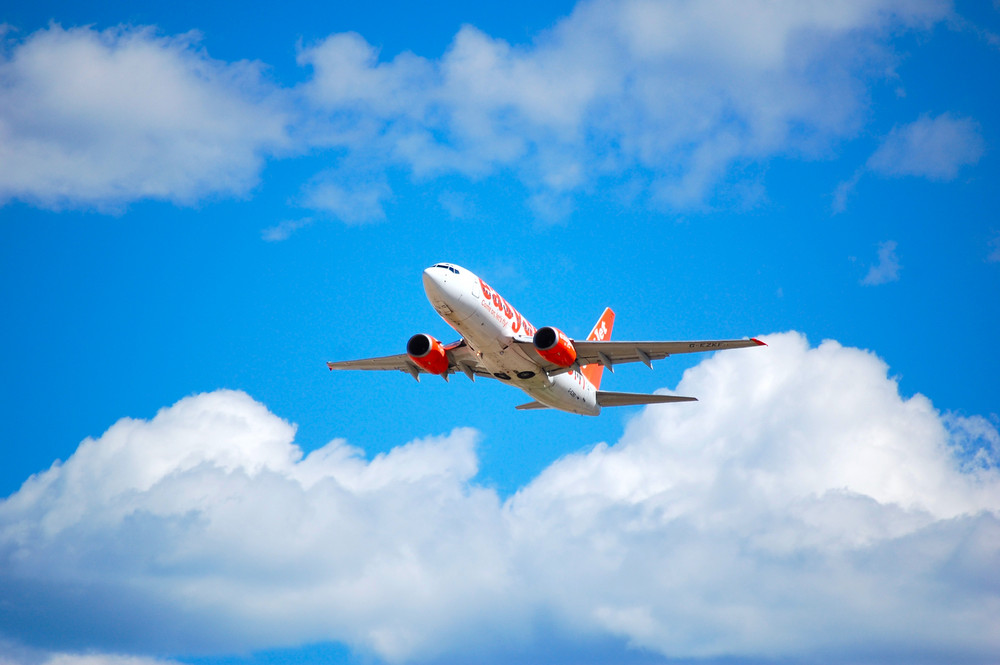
x=460 y=359
x=610 y=353
x=605 y=398
x=614 y=353
x=399 y=361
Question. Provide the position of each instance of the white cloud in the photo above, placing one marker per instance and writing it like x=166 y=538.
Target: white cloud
x=206 y=526
x=100 y=119
x=933 y=148
x=675 y=94
x=801 y=510
x=679 y=90
x=887 y=269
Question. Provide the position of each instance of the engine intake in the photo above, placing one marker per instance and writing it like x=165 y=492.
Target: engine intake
x=553 y=345
x=427 y=353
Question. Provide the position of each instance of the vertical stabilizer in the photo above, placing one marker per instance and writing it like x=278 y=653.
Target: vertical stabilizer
x=600 y=333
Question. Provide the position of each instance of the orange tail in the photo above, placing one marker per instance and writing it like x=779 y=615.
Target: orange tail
x=600 y=333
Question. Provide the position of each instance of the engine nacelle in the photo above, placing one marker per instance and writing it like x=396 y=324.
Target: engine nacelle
x=427 y=353
x=553 y=345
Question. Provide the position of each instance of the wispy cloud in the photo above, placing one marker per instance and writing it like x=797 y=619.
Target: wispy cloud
x=994 y=249
x=349 y=195
x=801 y=510
x=284 y=229
x=932 y=148
x=845 y=190
x=887 y=269
x=457 y=205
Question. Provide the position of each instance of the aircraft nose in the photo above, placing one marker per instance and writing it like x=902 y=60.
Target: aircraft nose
x=445 y=287
x=440 y=285
x=433 y=282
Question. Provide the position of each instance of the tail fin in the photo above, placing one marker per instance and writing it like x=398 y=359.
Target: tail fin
x=600 y=333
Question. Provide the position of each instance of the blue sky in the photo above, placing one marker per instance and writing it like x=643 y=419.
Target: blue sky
x=203 y=204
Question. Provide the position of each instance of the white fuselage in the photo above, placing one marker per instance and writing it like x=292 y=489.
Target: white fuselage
x=487 y=322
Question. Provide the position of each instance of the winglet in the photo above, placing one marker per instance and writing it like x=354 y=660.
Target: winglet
x=329 y=366
x=758 y=342
x=600 y=333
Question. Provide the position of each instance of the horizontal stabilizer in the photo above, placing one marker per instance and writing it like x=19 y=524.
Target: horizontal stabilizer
x=531 y=405
x=605 y=398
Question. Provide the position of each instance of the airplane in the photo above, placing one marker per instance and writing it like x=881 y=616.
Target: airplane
x=555 y=370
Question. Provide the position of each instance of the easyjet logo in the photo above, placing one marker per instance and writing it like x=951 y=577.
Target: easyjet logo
x=602 y=331
x=502 y=306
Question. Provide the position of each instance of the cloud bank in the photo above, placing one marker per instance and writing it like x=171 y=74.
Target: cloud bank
x=671 y=96
x=802 y=510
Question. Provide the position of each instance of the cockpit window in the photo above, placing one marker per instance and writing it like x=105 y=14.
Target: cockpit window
x=447 y=267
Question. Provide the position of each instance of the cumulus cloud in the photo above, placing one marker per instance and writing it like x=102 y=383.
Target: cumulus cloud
x=101 y=118
x=932 y=148
x=672 y=94
x=679 y=90
x=802 y=509
x=205 y=528
x=887 y=269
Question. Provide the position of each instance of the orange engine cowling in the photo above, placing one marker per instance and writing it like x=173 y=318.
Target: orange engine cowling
x=427 y=353
x=553 y=345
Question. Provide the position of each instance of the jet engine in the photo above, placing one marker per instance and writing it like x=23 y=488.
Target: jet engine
x=427 y=353
x=553 y=345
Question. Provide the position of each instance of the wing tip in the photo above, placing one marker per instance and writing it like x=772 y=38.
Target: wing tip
x=758 y=342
